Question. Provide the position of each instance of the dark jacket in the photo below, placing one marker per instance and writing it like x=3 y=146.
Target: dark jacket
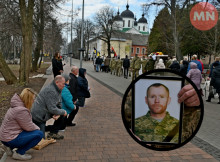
x=57 y=66
x=175 y=66
x=73 y=84
x=82 y=83
x=126 y=63
x=211 y=68
x=215 y=81
x=183 y=68
x=98 y=61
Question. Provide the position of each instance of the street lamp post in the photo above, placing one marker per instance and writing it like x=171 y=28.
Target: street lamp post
x=81 y=52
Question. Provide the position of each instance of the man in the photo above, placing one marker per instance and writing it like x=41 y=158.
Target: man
x=73 y=90
x=98 y=63
x=48 y=104
x=194 y=59
x=126 y=65
x=143 y=63
x=157 y=125
x=149 y=65
x=136 y=67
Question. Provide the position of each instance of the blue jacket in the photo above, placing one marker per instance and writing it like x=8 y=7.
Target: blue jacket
x=82 y=83
x=67 y=103
x=199 y=66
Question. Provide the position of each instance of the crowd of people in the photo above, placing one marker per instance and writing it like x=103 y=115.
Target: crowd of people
x=135 y=66
x=24 y=124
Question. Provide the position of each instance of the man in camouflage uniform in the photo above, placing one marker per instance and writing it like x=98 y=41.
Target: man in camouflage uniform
x=118 y=67
x=143 y=63
x=157 y=125
x=113 y=62
x=150 y=64
x=169 y=62
x=136 y=67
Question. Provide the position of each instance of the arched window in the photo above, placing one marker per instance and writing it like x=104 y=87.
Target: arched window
x=123 y=23
x=139 y=28
x=128 y=23
x=143 y=28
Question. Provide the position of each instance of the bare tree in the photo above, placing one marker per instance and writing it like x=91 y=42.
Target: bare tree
x=105 y=23
x=176 y=8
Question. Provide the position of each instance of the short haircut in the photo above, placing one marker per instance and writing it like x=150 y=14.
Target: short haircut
x=58 y=78
x=157 y=85
x=74 y=68
x=194 y=56
x=217 y=59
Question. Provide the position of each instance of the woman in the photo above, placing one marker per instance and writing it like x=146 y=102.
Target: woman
x=160 y=64
x=195 y=75
x=83 y=90
x=17 y=129
x=57 y=64
x=215 y=81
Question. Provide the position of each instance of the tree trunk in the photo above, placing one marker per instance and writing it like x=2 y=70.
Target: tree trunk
x=40 y=31
x=109 y=48
x=26 y=26
x=6 y=72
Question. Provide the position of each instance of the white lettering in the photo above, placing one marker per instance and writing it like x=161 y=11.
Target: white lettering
x=208 y=15
x=196 y=15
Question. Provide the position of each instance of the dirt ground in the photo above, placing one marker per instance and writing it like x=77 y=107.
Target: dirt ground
x=7 y=91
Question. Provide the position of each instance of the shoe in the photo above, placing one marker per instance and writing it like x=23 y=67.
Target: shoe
x=55 y=136
x=208 y=100
x=7 y=150
x=71 y=124
x=18 y=156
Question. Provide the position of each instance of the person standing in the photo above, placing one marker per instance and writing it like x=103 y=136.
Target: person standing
x=126 y=65
x=17 y=129
x=195 y=75
x=215 y=81
x=73 y=87
x=57 y=65
x=83 y=88
x=48 y=104
x=98 y=63
x=183 y=67
x=160 y=64
x=194 y=59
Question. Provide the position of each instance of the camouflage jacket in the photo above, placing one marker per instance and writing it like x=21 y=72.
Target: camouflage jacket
x=137 y=64
x=149 y=129
x=150 y=65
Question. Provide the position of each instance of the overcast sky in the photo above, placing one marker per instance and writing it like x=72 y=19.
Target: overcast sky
x=93 y=6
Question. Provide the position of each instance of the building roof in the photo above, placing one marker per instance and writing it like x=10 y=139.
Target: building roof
x=127 y=13
x=137 y=39
x=142 y=19
x=118 y=17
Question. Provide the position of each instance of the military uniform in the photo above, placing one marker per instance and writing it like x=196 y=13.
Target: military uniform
x=136 y=67
x=150 y=65
x=168 y=63
x=143 y=62
x=118 y=67
x=151 y=130
x=113 y=62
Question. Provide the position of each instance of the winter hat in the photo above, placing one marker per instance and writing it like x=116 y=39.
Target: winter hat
x=66 y=77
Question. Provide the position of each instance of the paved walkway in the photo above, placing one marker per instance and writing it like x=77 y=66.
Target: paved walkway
x=100 y=135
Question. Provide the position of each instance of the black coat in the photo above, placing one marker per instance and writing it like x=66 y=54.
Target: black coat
x=183 y=68
x=82 y=88
x=175 y=66
x=73 y=84
x=57 y=66
x=126 y=63
x=215 y=80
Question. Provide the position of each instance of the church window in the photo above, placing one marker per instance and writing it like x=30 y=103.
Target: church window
x=139 y=28
x=123 y=23
x=143 y=28
x=128 y=23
